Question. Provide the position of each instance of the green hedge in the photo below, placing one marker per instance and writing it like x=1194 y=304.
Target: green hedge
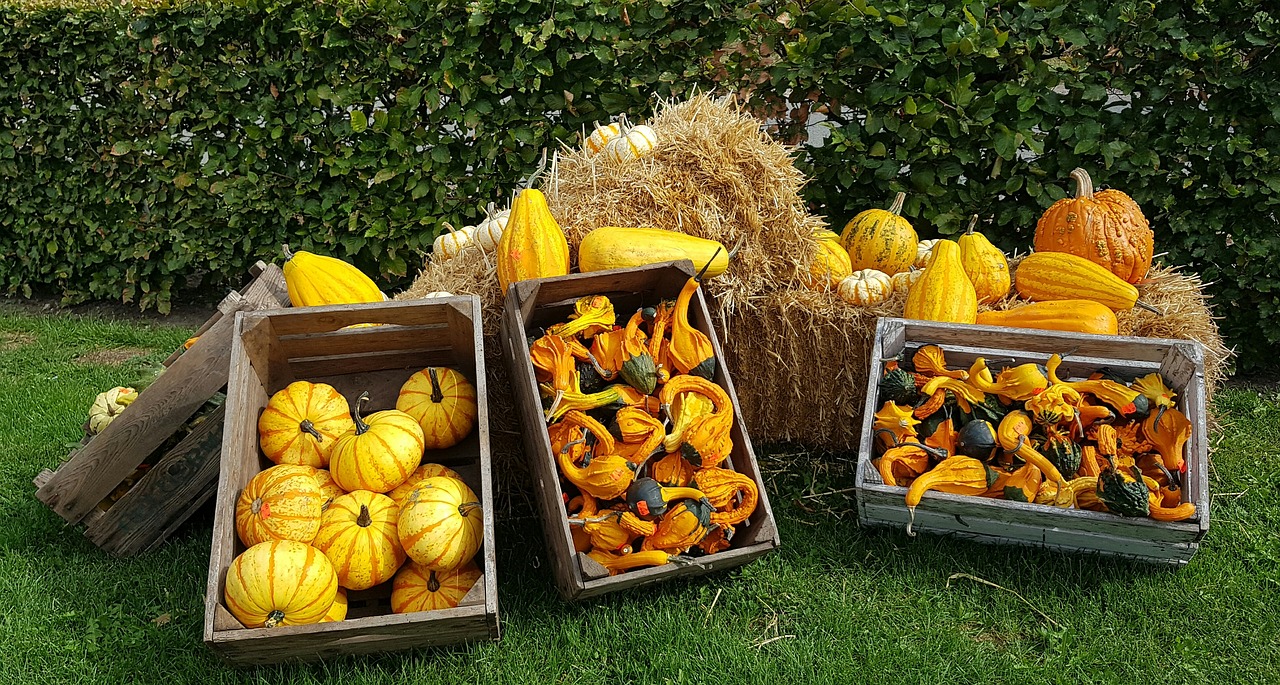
x=151 y=154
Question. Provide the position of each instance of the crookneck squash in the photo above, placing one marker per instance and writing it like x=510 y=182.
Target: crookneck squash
x=944 y=292
x=690 y=348
x=1106 y=228
x=955 y=475
x=881 y=239
x=533 y=244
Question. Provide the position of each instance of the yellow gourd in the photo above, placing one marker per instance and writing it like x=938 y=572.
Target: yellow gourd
x=944 y=292
x=315 y=280
x=614 y=247
x=955 y=475
x=830 y=265
x=533 y=244
x=881 y=239
x=985 y=264
x=1077 y=316
x=1046 y=276
x=280 y=583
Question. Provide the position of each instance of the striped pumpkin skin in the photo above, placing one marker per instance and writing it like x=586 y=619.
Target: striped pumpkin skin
x=441 y=524
x=602 y=136
x=280 y=503
x=337 y=612
x=417 y=588
x=280 y=583
x=880 y=239
x=420 y=474
x=302 y=422
x=443 y=402
x=329 y=490
x=634 y=144
x=381 y=455
x=358 y=535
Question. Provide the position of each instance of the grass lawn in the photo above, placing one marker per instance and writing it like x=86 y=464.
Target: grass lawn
x=835 y=604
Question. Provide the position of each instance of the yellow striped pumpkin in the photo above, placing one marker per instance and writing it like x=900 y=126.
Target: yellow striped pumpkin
x=329 y=490
x=420 y=474
x=380 y=453
x=881 y=239
x=301 y=423
x=358 y=534
x=602 y=136
x=443 y=402
x=337 y=612
x=281 y=503
x=280 y=583
x=441 y=524
x=417 y=588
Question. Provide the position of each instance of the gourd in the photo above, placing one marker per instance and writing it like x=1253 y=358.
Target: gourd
x=302 y=423
x=488 y=232
x=909 y=459
x=591 y=316
x=924 y=252
x=379 y=453
x=683 y=526
x=955 y=475
x=315 y=280
x=640 y=435
x=880 y=239
x=1055 y=406
x=932 y=361
x=866 y=288
x=690 y=350
x=898 y=385
x=830 y=265
x=895 y=424
x=1168 y=433
x=903 y=280
x=577 y=400
x=1019 y=383
x=966 y=394
x=358 y=535
x=452 y=242
x=280 y=503
x=634 y=143
x=280 y=583
x=648 y=499
x=1157 y=393
x=1064 y=452
x=703 y=438
x=420 y=474
x=1159 y=512
x=734 y=495
x=617 y=563
x=1023 y=484
x=1129 y=403
x=977 y=439
x=614 y=247
x=944 y=437
x=107 y=406
x=944 y=292
x=1014 y=435
x=443 y=402
x=338 y=610
x=985 y=264
x=417 y=588
x=602 y=136
x=441 y=524
x=1106 y=228
x=672 y=470
x=604 y=532
x=638 y=368
x=1076 y=316
x=533 y=244
x=608 y=474
x=1044 y=276
x=1122 y=495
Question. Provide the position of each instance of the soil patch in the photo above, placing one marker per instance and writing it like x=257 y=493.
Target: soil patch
x=110 y=356
x=12 y=340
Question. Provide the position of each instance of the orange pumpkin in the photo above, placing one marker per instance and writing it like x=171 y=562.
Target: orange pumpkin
x=280 y=583
x=417 y=588
x=281 y=503
x=358 y=534
x=420 y=474
x=1106 y=228
x=443 y=402
x=441 y=524
x=302 y=422
x=379 y=453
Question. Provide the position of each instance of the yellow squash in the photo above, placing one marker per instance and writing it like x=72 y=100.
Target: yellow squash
x=614 y=247
x=881 y=239
x=1046 y=276
x=314 y=280
x=1077 y=316
x=830 y=265
x=944 y=291
x=985 y=264
x=533 y=244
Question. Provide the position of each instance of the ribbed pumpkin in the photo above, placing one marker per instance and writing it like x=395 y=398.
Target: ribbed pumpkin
x=601 y=137
x=984 y=264
x=866 y=288
x=634 y=143
x=441 y=524
x=329 y=490
x=533 y=244
x=280 y=503
x=944 y=292
x=280 y=583
x=614 y=247
x=337 y=612
x=315 y=280
x=451 y=242
x=880 y=239
x=830 y=265
x=1106 y=228
x=924 y=252
x=420 y=474
x=1079 y=316
x=1044 y=276
x=379 y=453
x=302 y=423
x=443 y=402
x=417 y=588
x=903 y=280
x=358 y=534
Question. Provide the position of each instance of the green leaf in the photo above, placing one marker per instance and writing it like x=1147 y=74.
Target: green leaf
x=359 y=122
x=384 y=175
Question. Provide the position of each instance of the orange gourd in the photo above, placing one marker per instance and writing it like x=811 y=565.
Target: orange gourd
x=302 y=422
x=690 y=349
x=1106 y=228
x=443 y=402
x=955 y=475
x=358 y=535
x=1076 y=316
x=417 y=588
x=944 y=292
x=1014 y=434
x=733 y=494
x=280 y=503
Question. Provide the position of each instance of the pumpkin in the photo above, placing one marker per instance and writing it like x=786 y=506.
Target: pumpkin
x=614 y=247
x=1106 y=228
x=329 y=490
x=984 y=264
x=315 y=280
x=830 y=265
x=417 y=588
x=452 y=242
x=634 y=143
x=866 y=288
x=443 y=402
x=441 y=524
x=379 y=453
x=107 y=406
x=880 y=239
x=338 y=611
x=1076 y=316
x=1044 y=276
x=955 y=475
x=601 y=136
x=533 y=244
x=302 y=423
x=420 y=474
x=489 y=232
x=924 y=252
x=358 y=535
x=977 y=439
x=944 y=292
x=903 y=280
x=280 y=583
x=280 y=503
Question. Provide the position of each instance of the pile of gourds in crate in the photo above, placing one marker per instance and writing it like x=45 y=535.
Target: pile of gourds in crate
x=640 y=431
x=1023 y=433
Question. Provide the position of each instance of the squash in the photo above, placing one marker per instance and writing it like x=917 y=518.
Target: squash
x=302 y=423
x=702 y=416
x=420 y=474
x=955 y=475
x=1018 y=383
x=617 y=563
x=903 y=280
x=1064 y=452
x=1055 y=406
x=1158 y=395
x=985 y=264
x=1129 y=403
x=280 y=503
x=1023 y=484
x=107 y=406
x=865 y=288
x=1045 y=276
x=944 y=292
x=932 y=361
x=452 y=241
x=966 y=394
x=338 y=611
x=1124 y=496
x=443 y=402
x=733 y=494
x=977 y=440
x=690 y=350
x=672 y=470
x=591 y=315
x=895 y=424
x=880 y=239
x=639 y=434
x=648 y=499
x=829 y=266
x=602 y=136
x=441 y=524
x=280 y=583
x=904 y=461
x=1106 y=228
x=576 y=400
x=417 y=588
x=315 y=280
x=638 y=368
x=379 y=453
x=1076 y=316
x=358 y=535
x=329 y=490
x=533 y=244
x=604 y=532
x=1158 y=511
x=606 y=475
x=898 y=385
x=683 y=526
x=1014 y=435
x=634 y=143
x=1169 y=433
x=615 y=247
x=924 y=253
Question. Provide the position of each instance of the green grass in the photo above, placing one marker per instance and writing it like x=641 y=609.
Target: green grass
x=849 y=605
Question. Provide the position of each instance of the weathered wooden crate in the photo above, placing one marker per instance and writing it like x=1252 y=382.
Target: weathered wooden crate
x=1005 y=522
x=274 y=348
x=535 y=304
x=181 y=480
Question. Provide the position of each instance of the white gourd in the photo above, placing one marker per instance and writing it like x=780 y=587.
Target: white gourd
x=451 y=243
x=924 y=252
x=602 y=136
x=866 y=288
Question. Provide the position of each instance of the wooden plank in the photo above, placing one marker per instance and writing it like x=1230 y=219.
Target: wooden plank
x=360 y=341
x=311 y=320
x=701 y=566
x=396 y=359
x=1045 y=342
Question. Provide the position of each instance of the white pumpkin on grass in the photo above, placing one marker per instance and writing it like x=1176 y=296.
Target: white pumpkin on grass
x=489 y=232
x=452 y=242
x=602 y=136
x=903 y=280
x=866 y=288
x=924 y=252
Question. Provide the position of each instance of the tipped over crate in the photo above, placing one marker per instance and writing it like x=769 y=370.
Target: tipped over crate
x=1001 y=521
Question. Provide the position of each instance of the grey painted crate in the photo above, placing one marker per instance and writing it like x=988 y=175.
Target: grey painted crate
x=997 y=521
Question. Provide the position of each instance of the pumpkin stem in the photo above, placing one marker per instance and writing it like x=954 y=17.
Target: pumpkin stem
x=489 y=210
x=973 y=222
x=466 y=508
x=433 y=583
x=706 y=266
x=898 y=200
x=542 y=166
x=361 y=426
x=364 y=520
x=1148 y=307
x=1084 y=184
x=288 y=254
x=273 y=619
x=256 y=507
x=310 y=429
x=437 y=396
x=733 y=252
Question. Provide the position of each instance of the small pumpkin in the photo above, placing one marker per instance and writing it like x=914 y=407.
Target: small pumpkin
x=451 y=242
x=602 y=136
x=977 y=439
x=107 y=406
x=985 y=264
x=533 y=244
x=420 y=474
x=866 y=288
x=830 y=265
x=441 y=524
x=443 y=402
x=280 y=583
x=881 y=239
x=329 y=490
x=488 y=232
x=903 y=280
x=418 y=588
x=379 y=453
x=316 y=280
x=924 y=252
x=358 y=535
x=302 y=423
x=634 y=143
x=1106 y=228
x=280 y=503
x=337 y=612
x=944 y=292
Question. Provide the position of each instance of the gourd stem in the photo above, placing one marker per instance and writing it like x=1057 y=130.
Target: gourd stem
x=1144 y=305
x=364 y=520
x=706 y=266
x=542 y=166
x=436 y=395
x=466 y=508
x=433 y=583
x=273 y=619
x=488 y=210
x=1084 y=184
x=310 y=429
x=288 y=254
x=361 y=426
x=973 y=223
x=898 y=200
x=734 y=251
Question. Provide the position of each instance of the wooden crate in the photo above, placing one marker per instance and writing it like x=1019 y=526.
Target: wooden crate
x=182 y=479
x=1005 y=522
x=538 y=303
x=274 y=348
